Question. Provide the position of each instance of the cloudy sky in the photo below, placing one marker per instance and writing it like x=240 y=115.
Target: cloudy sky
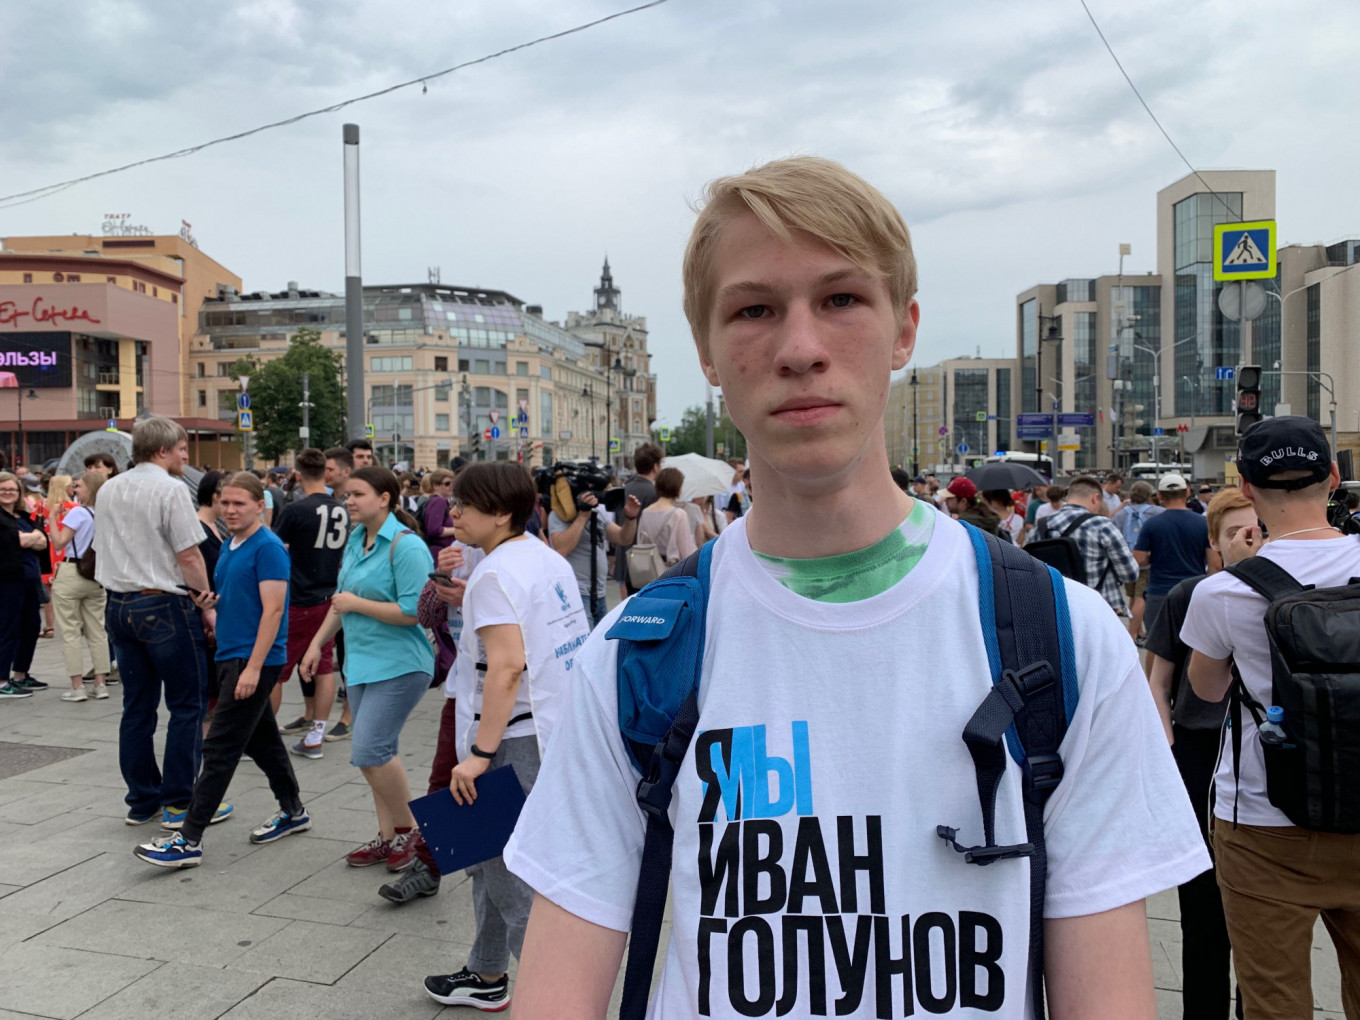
x=1000 y=128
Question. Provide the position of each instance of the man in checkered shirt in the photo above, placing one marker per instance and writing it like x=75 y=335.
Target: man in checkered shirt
x=1109 y=563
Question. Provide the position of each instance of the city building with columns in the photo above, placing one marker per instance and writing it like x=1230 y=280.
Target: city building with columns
x=444 y=365
x=617 y=344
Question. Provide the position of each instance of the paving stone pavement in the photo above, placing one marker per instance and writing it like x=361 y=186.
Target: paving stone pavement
x=88 y=931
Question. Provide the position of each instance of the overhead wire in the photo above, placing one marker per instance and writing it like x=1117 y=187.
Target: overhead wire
x=1165 y=134
x=34 y=194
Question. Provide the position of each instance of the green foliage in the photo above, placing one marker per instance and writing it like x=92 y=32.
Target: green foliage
x=689 y=436
x=276 y=396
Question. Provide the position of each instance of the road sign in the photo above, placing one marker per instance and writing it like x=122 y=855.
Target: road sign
x=495 y=432
x=962 y=448
x=495 y=416
x=524 y=432
x=113 y=425
x=524 y=406
x=1159 y=431
x=944 y=430
x=243 y=401
x=1032 y=420
x=980 y=416
x=1074 y=444
x=368 y=431
x=245 y=421
x=1076 y=419
x=615 y=445
x=486 y=434
x=522 y=418
x=1032 y=432
x=665 y=433
x=1244 y=251
x=1225 y=372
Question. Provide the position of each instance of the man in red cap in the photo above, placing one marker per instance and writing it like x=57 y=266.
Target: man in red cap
x=963 y=504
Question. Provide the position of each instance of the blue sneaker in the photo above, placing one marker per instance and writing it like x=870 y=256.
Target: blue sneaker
x=170 y=851
x=173 y=818
x=282 y=824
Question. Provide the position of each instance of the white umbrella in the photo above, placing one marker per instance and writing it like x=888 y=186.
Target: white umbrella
x=703 y=475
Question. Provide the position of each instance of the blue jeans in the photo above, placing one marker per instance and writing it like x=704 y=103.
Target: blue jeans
x=159 y=644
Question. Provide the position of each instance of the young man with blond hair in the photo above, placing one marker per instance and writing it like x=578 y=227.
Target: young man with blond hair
x=799 y=288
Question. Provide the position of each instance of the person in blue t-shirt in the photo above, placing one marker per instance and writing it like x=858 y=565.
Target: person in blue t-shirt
x=252 y=632
x=1175 y=543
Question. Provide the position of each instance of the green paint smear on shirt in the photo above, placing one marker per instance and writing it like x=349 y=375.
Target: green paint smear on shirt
x=853 y=577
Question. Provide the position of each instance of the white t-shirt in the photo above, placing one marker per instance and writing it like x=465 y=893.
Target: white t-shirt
x=81 y=522
x=1225 y=618
x=525 y=583
x=847 y=738
x=1045 y=511
x=454 y=617
x=1014 y=523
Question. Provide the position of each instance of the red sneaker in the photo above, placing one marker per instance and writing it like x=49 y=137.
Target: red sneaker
x=375 y=851
x=404 y=845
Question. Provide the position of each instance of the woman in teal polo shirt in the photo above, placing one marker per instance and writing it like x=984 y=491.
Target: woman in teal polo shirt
x=388 y=659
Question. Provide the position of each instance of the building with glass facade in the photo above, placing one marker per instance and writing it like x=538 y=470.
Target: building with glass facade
x=1143 y=353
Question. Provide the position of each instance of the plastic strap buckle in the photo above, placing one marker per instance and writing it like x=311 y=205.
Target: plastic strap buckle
x=983 y=855
x=1041 y=773
x=654 y=790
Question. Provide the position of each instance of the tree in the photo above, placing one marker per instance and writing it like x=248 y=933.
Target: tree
x=276 y=395
x=689 y=436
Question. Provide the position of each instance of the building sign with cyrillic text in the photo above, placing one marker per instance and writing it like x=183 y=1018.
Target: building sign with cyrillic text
x=42 y=309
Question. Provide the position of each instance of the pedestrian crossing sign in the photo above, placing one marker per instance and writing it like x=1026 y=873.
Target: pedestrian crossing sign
x=1244 y=251
x=245 y=421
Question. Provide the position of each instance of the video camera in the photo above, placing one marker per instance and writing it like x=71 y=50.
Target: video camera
x=563 y=485
x=1339 y=515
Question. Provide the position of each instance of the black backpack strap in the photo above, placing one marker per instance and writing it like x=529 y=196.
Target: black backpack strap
x=1023 y=611
x=1266 y=577
x=654 y=798
x=1081 y=519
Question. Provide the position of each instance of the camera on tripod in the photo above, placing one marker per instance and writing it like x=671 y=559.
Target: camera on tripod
x=563 y=485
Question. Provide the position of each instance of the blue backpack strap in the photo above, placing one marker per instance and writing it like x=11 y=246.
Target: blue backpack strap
x=1028 y=634
x=659 y=673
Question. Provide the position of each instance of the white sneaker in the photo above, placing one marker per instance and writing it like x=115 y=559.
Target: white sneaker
x=76 y=696
x=100 y=692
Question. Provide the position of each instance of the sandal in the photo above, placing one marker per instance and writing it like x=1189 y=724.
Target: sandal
x=47 y=632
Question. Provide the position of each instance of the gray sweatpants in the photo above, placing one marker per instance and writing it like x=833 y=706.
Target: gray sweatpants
x=500 y=899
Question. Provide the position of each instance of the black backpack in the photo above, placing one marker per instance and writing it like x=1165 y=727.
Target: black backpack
x=1062 y=553
x=1314 y=634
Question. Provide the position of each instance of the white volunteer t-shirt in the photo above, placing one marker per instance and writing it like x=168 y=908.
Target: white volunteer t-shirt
x=522 y=582
x=798 y=879
x=454 y=617
x=1226 y=618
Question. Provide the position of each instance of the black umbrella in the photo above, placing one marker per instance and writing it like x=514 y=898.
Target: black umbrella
x=1004 y=475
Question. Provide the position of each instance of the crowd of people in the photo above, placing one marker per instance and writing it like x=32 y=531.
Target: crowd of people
x=757 y=734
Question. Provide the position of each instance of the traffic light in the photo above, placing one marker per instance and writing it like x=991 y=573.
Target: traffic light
x=476 y=445
x=1248 y=397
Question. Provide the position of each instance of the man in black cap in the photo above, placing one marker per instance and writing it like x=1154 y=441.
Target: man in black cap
x=1275 y=877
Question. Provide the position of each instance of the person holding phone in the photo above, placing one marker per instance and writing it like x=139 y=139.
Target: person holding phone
x=388 y=660
x=523 y=620
x=251 y=589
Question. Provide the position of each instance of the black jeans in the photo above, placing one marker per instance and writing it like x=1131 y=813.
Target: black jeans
x=241 y=727
x=1205 y=951
x=19 y=626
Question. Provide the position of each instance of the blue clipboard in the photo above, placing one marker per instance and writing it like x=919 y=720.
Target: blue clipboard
x=461 y=835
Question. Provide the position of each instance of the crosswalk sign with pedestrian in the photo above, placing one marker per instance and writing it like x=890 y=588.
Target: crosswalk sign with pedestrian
x=1244 y=251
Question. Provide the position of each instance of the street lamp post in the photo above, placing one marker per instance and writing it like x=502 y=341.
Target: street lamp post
x=914 y=444
x=1052 y=336
x=1194 y=397
x=1330 y=386
x=589 y=393
x=1156 y=353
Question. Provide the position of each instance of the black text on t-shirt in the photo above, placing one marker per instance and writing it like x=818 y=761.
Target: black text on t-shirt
x=756 y=888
